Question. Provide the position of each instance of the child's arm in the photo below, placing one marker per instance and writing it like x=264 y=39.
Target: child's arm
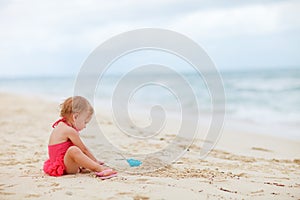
x=74 y=137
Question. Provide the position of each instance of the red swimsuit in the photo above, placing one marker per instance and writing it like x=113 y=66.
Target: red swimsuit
x=55 y=166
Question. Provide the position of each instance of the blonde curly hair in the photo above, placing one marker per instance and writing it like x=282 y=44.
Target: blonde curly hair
x=76 y=104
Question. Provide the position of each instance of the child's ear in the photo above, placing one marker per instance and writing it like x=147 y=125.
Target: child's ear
x=75 y=116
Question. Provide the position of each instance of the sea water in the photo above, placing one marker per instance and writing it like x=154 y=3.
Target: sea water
x=268 y=98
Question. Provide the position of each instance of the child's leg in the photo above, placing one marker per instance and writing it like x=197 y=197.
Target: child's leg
x=75 y=158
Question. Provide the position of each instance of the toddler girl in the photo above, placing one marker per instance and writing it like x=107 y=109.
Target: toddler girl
x=67 y=152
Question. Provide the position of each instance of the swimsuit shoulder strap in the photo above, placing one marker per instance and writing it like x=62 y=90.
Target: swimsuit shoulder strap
x=64 y=120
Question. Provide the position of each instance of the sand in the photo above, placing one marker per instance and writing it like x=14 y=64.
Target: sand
x=244 y=165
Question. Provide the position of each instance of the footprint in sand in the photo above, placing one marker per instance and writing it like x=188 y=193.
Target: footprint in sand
x=260 y=149
x=32 y=195
x=136 y=197
x=7 y=193
x=297 y=161
x=139 y=197
x=124 y=193
x=258 y=192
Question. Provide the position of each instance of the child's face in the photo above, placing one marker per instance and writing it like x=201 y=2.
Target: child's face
x=81 y=120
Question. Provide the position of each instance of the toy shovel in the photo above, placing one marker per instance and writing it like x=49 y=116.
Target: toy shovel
x=132 y=162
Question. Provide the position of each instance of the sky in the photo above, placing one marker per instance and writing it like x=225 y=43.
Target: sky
x=45 y=38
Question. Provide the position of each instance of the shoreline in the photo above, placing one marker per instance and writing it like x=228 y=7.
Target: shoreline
x=231 y=123
x=242 y=166
x=249 y=107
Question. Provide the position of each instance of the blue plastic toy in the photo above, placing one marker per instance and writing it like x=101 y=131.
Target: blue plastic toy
x=131 y=162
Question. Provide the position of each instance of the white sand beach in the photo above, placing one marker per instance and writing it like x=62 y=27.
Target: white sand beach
x=243 y=165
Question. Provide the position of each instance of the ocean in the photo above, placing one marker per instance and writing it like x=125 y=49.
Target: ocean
x=268 y=99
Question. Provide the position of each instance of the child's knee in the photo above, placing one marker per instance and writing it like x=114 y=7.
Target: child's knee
x=73 y=150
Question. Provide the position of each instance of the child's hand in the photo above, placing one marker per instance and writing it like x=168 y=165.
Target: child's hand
x=83 y=170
